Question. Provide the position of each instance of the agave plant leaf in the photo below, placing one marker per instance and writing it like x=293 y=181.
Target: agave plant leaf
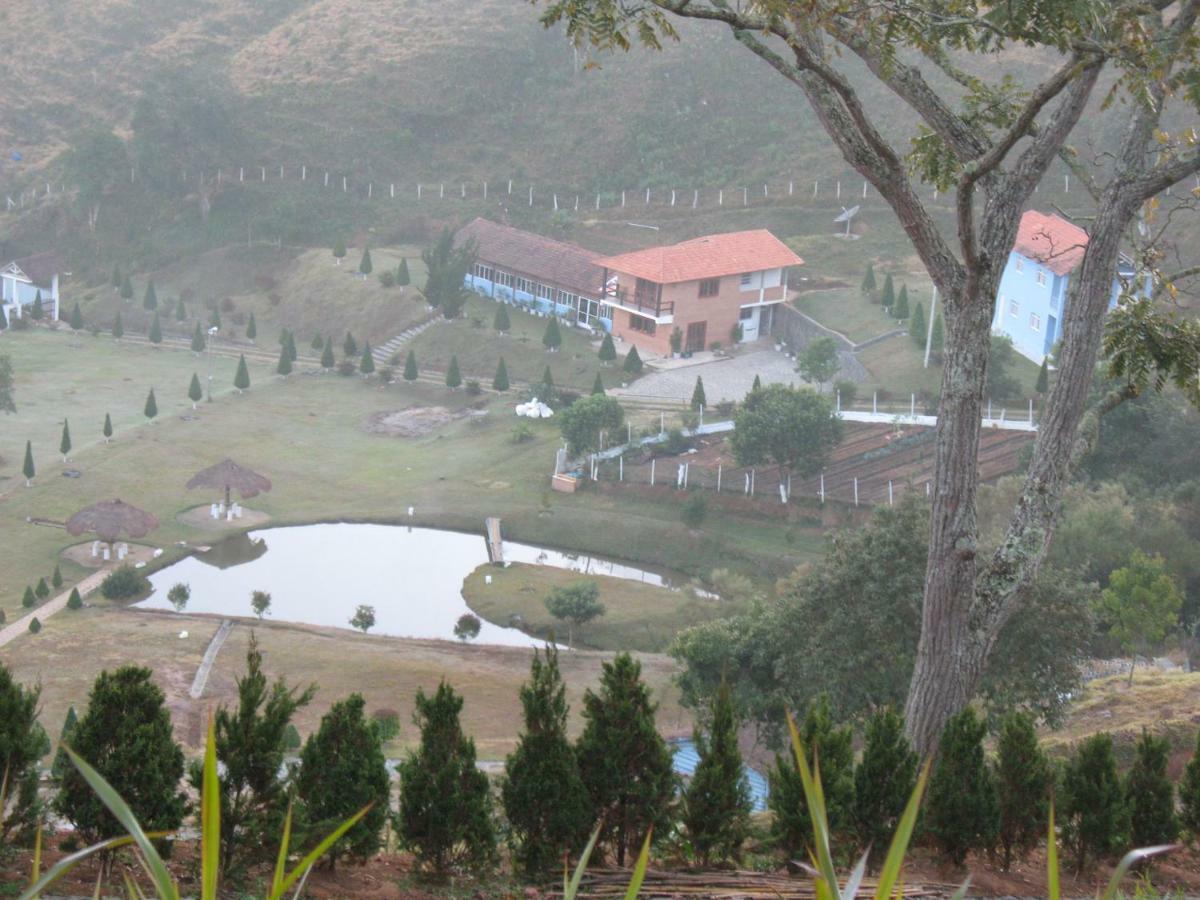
x=37 y=851
x=639 y=869
x=889 y=875
x=854 y=882
x=281 y=859
x=1113 y=889
x=210 y=818
x=571 y=888
x=164 y=885
x=317 y=852
x=1053 y=888
x=814 y=796
x=67 y=863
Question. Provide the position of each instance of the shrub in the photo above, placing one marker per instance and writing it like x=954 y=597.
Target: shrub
x=676 y=442
x=1023 y=782
x=695 y=508
x=847 y=392
x=520 y=434
x=1094 y=817
x=1150 y=795
x=467 y=627
x=74 y=601
x=227 y=304
x=473 y=388
x=387 y=278
x=717 y=800
x=583 y=421
x=347 y=367
x=28 y=599
x=962 y=811
x=123 y=583
x=883 y=781
x=387 y=723
x=34 y=625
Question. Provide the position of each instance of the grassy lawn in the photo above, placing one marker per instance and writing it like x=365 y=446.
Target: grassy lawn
x=849 y=311
x=479 y=349
x=636 y=616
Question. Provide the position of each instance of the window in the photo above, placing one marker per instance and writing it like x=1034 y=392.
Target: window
x=485 y=272
x=1041 y=277
x=710 y=287
x=1035 y=321
x=1013 y=307
x=504 y=278
x=544 y=292
x=746 y=312
x=1019 y=264
x=644 y=325
x=748 y=279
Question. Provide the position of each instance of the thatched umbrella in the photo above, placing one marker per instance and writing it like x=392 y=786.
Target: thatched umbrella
x=109 y=519
x=228 y=476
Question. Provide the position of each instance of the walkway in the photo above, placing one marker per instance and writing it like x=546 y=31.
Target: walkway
x=50 y=607
x=210 y=657
x=389 y=348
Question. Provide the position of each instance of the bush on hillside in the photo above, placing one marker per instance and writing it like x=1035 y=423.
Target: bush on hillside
x=123 y=583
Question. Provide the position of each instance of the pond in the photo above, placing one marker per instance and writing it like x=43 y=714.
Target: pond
x=319 y=574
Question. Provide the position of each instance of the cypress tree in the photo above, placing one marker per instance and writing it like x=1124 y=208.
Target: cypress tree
x=1091 y=804
x=403 y=278
x=350 y=346
x=327 y=360
x=698 y=399
x=453 y=378
x=364 y=265
x=410 y=366
x=37 y=311
x=42 y=590
x=1043 y=378
x=624 y=762
x=198 y=341
x=868 y=283
x=633 y=362
x=28 y=469
x=552 y=337
x=888 y=297
x=116 y=278
x=317 y=343
x=251 y=328
x=883 y=781
x=76 y=322
x=108 y=429
x=214 y=320
x=1149 y=794
x=598 y=385
x=339 y=251
x=155 y=330
x=500 y=323
x=290 y=344
x=150 y=298
x=792 y=825
x=900 y=310
x=126 y=288
x=938 y=339
x=543 y=794
x=241 y=378
x=445 y=814
x=118 y=329
x=1023 y=782
x=29 y=599
x=195 y=392
x=62 y=762
x=717 y=800
x=608 y=350
x=757 y=386
x=1189 y=793
x=21 y=739
x=961 y=813
x=125 y=734
x=500 y=382
x=151 y=408
x=367 y=363
x=284 y=367
x=75 y=601
x=64 y=443
x=916 y=325
x=545 y=389
x=342 y=769
x=56 y=579
x=35 y=625
x=180 y=310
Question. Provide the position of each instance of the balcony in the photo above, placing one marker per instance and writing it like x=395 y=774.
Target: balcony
x=643 y=304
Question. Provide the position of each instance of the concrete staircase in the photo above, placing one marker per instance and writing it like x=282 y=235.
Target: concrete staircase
x=384 y=351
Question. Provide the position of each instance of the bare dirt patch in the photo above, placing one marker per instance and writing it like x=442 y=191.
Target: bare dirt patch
x=414 y=422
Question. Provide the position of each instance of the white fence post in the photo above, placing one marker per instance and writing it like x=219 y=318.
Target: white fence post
x=856 y=491
x=718 y=478
x=889 y=492
x=822 y=487
x=652 y=471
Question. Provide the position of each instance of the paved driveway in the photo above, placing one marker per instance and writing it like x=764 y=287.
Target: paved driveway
x=726 y=379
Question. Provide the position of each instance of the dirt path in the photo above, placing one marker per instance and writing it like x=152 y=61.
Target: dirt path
x=50 y=607
x=210 y=657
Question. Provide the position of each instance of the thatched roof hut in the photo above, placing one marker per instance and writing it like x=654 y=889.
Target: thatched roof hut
x=109 y=519
x=228 y=476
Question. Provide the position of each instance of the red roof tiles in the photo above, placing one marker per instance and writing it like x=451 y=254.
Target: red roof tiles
x=1051 y=240
x=706 y=257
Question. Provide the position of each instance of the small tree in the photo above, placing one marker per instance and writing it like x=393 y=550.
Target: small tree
x=598 y=386
x=883 y=781
x=195 y=391
x=76 y=321
x=107 y=431
x=150 y=410
x=1150 y=795
x=453 y=376
x=1140 y=605
x=576 y=604
x=21 y=739
x=42 y=591
x=500 y=322
x=410 y=366
x=155 y=334
x=916 y=325
x=717 y=800
x=545 y=388
x=62 y=762
x=342 y=769
x=364 y=264
x=1042 y=387
x=467 y=627
x=198 y=339
x=349 y=346
x=888 y=297
x=582 y=422
x=403 y=278
x=29 y=598
x=623 y=760
x=260 y=603
x=126 y=291
x=819 y=361
x=366 y=365
x=178 y=595
x=676 y=339
x=150 y=298
x=75 y=601
x=118 y=329
x=284 y=366
x=180 y=311
x=445 y=814
x=962 y=811
x=28 y=469
x=937 y=340
x=698 y=399
x=56 y=579
x=1189 y=793
x=633 y=362
x=1023 y=779
x=363 y=618
x=339 y=252
x=544 y=797
x=64 y=442
x=757 y=385
x=1091 y=804
x=35 y=625
x=794 y=429
x=552 y=337
x=900 y=309
x=500 y=382
x=869 y=285
x=241 y=379
x=290 y=344
x=125 y=735
x=317 y=342
x=608 y=350
x=251 y=328
x=327 y=359
x=695 y=508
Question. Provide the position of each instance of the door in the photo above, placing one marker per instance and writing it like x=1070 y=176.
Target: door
x=749 y=320
x=695 y=336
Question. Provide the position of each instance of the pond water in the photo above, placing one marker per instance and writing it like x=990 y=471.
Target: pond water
x=319 y=574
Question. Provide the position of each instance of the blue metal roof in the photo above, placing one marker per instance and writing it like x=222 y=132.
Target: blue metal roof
x=686 y=760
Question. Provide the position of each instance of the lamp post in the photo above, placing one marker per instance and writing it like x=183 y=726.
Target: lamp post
x=212 y=336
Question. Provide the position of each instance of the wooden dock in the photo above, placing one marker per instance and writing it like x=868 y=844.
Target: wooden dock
x=495 y=545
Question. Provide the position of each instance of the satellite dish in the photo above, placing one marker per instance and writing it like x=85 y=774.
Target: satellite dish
x=846 y=216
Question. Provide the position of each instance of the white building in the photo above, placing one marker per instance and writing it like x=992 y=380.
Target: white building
x=23 y=279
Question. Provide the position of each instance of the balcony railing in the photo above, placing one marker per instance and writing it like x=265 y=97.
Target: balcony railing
x=648 y=306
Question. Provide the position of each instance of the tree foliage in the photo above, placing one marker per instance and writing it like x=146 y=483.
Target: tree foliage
x=819 y=362
x=884 y=779
x=1091 y=805
x=576 y=604
x=446 y=268
x=20 y=749
x=410 y=366
x=582 y=422
x=791 y=428
x=1150 y=795
x=962 y=813
x=716 y=802
x=1024 y=780
x=608 y=350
